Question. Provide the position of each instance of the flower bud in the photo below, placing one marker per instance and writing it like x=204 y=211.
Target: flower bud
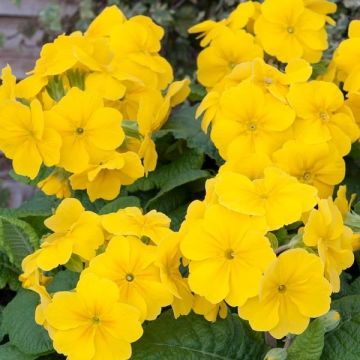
x=330 y=320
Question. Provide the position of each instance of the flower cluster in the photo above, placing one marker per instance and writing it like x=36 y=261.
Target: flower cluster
x=89 y=107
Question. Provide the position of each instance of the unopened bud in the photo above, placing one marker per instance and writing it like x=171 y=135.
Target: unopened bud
x=330 y=320
x=276 y=354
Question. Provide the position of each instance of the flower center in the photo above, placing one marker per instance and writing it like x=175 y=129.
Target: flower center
x=307 y=176
x=281 y=289
x=95 y=320
x=268 y=81
x=290 y=30
x=79 y=130
x=230 y=254
x=129 y=277
x=252 y=126
x=324 y=116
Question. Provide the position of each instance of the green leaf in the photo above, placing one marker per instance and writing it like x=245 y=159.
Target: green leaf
x=9 y=273
x=17 y=238
x=63 y=281
x=183 y=125
x=43 y=173
x=193 y=338
x=10 y=352
x=120 y=203
x=308 y=345
x=18 y=322
x=343 y=342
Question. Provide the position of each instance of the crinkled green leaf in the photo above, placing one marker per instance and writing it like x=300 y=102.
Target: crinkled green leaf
x=10 y=352
x=9 y=273
x=19 y=324
x=193 y=338
x=308 y=345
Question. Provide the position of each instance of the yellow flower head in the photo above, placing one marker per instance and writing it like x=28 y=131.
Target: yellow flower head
x=325 y=230
x=224 y=53
x=319 y=165
x=208 y=310
x=288 y=30
x=153 y=226
x=322 y=115
x=251 y=119
x=131 y=265
x=56 y=184
x=292 y=291
x=226 y=261
x=91 y=323
x=87 y=128
x=104 y=181
x=341 y=201
x=75 y=231
x=26 y=138
x=266 y=198
x=8 y=84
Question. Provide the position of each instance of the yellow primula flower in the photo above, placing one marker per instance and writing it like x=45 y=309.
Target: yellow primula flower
x=227 y=51
x=288 y=30
x=8 y=84
x=87 y=128
x=322 y=115
x=341 y=201
x=152 y=226
x=292 y=291
x=92 y=323
x=251 y=119
x=56 y=184
x=75 y=231
x=325 y=230
x=319 y=165
x=104 y=181
x=26 y=138
x=208 y=310
x=226 y=261
x=266 y=198
x=131 y=265
x=169 y=260
x=322 y=7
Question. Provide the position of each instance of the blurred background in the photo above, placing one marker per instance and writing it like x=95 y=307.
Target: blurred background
x=25 y=25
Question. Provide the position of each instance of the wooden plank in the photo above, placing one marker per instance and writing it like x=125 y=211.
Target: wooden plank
x=21 y=60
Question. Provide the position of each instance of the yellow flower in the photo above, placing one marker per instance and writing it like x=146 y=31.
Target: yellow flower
x=208 y=310
x=319 y=165
x=342 y=202
x=252 y=119
x=292 y=291
x=26 y=139
x=105 y=179
x=326 y=231
x=8 y=83
x=178 y=91
x=56 y=184
x=322 y=7
x=131 y=265
x=169 y=260
x=226 y=261
x=152 y=226
x=91 y=323
x=87 y=128
x=224 y=53
x=266 y=198
x=287 y=30
x=75 y=231
x=322 y=115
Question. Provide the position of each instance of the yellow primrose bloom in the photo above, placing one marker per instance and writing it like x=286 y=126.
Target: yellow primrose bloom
x=208 y=310
x=326 y=231
x=322 y=7
x=178 y=91
x=322 y=115
x=91 y=323
x=169 y=259
x=353 y=102
x=342 y=202
x=56 y=184
x=226 y=261
x=252 y=119
x=266 y=197
x=8 y=83
x=75 y=231
x=104 y=181
x=87 y=128
x=292 y=291
x=319 y=165
x=131 y=221
x=288 y=30
x=228 y=50
x=131 y=265
x=26 y=138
